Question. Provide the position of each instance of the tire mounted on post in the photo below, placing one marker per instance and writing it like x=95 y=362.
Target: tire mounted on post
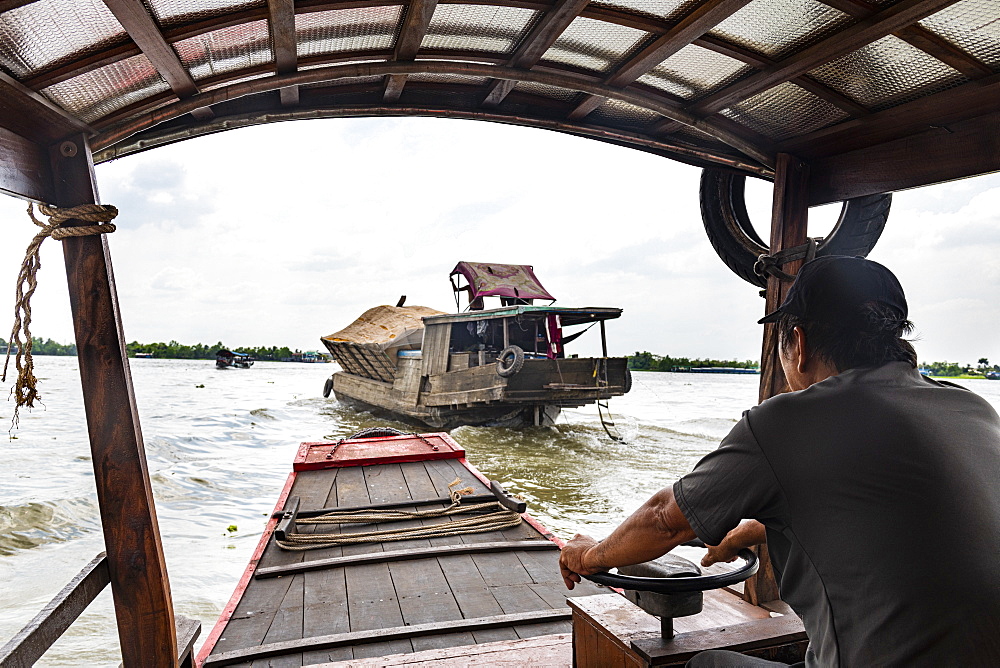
x=724 y=214
x=509 y=361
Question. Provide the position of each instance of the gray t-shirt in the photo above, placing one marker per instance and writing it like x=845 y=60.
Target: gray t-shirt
x=880 y=491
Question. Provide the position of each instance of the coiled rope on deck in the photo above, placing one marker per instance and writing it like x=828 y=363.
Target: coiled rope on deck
x=487 y=521
x=100 y=215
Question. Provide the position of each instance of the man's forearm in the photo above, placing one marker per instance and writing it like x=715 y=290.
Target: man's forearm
x=747 y=534
x=650 y=532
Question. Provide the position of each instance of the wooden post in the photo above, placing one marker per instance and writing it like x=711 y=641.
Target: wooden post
x=789 y=217
x=604 y=341
x=143 y=606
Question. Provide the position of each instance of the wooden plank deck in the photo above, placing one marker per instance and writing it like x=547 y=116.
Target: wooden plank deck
x=363 y=597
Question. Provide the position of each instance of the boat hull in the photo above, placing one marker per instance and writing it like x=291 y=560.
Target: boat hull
x=478 y=395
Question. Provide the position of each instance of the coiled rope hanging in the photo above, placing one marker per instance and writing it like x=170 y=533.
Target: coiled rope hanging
x=501 y=518
x=25 y=391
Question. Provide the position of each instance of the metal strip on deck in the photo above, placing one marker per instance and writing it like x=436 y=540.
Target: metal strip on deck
x=417 y=630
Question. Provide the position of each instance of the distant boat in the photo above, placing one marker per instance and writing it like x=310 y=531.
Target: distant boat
x=144 y=355
x=993 y=375
x=225 y=359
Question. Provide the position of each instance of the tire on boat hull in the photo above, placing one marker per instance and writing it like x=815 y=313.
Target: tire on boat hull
x=327 y=388
x=509 y=361
x=724 y=214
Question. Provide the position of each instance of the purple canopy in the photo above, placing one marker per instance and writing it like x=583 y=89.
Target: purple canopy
x=501 y=280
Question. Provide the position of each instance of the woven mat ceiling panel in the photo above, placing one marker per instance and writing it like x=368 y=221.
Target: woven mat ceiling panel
x=966 y=24
x=477 y=28
x=710 y=82
x=785 y=111
x=695 y=71
x=169 y=13
x=340 y=30
x=595 y=45
x=887 y=73
x=666 y=10
x=51 y=32
x=777 y=28
x=101 y=91
x=232 y=49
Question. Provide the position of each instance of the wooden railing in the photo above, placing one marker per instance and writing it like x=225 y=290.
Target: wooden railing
x=31 y=642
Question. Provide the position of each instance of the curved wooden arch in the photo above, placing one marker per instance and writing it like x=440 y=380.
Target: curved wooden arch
x=127 y=128
x=675 y=151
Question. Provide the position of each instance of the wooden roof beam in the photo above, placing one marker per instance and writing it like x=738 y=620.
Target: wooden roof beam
x=970 y=100
x=703 y=18
x=757 y=60
x=29 y=114
x=281 y=15
x=866 y=31
x=418 y=17
x=7 y=5
x=139 y=25
x=923 y=39
x=961 y=149
x=534 y=46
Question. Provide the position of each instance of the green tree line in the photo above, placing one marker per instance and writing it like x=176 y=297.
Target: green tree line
x=646 y=361
x=45 y=347
x=172 y=350
x=200 y=351
x=956 y=369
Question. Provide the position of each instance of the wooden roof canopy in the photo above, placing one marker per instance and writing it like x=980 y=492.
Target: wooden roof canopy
x=875 y=95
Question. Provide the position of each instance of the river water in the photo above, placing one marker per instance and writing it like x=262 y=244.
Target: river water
x=220 y=444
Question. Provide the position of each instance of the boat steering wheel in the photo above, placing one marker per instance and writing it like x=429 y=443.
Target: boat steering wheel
x=681 y=584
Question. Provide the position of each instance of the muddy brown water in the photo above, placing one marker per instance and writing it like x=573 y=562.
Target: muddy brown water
x=220 y=444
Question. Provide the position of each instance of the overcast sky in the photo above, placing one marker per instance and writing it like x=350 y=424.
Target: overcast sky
x=279 y=234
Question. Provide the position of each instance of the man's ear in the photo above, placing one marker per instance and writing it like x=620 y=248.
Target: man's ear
x=801 y=352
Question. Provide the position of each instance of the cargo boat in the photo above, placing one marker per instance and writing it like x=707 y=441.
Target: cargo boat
x=503 y=366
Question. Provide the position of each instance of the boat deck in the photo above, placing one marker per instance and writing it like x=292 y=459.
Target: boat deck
x=446 y=597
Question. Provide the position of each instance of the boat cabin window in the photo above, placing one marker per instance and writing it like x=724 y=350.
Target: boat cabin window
x=538 y=336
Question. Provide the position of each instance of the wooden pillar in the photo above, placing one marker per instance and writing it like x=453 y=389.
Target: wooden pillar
x=143 y=606
x=789 y=217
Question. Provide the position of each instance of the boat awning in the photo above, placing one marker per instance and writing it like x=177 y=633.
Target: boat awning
x=875 y=95
x=501 y=280
x=567 y=316
x=230 y=353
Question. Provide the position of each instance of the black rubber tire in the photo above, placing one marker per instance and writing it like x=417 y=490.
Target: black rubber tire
x=724 y=214
x=509 y=361
x=327 y=388
x=628 y=379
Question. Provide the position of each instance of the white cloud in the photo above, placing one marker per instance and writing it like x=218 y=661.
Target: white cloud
x=279 y=234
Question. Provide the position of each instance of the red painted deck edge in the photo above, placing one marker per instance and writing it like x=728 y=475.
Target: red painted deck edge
x=302 y=463
x=234 y=600
x=375 y=461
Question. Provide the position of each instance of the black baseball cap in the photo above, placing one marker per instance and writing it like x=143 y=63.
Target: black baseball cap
x=833 y=288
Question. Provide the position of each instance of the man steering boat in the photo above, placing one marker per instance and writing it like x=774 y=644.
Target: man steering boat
x=877 y=490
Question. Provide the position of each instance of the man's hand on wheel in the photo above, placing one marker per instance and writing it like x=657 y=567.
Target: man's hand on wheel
x=747 y=534
x=573 y=560
x=722 y=553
